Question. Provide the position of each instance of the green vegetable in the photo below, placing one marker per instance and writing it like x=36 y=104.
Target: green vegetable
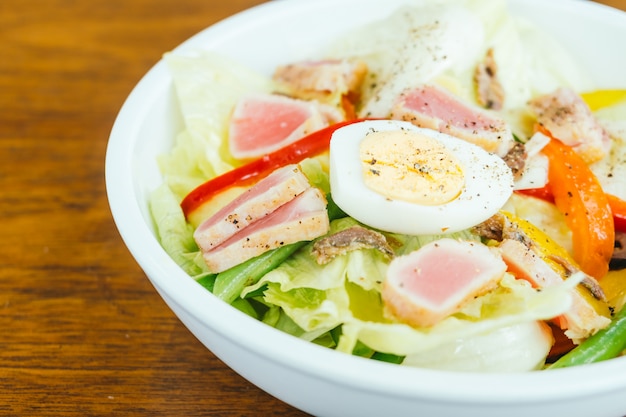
x=228 y=284
x=360 y=349
x=605 y=344
x=387 y=357
x=334 y=212
x=174 y=233
x=245 y=307
x=207 y=281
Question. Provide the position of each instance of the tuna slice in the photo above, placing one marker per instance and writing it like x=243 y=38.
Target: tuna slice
x=303 y=218
x=263 y=123
x=255 y=203
x=432 y=107
x=433 y=282
x=315 y=78
x=581 y=320
x=489 y=90
x=569 y=119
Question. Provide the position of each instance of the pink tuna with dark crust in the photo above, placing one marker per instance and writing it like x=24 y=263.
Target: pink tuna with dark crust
x=427 y=285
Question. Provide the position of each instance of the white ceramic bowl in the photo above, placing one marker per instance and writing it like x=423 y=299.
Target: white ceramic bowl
x=317 y=380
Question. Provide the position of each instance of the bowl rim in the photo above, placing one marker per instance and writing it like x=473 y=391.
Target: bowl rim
x=276 y=346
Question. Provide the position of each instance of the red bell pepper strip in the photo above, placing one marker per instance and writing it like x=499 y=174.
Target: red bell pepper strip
x=544 y=193
x=618 y=208
x=311 y=145
x=579 y=196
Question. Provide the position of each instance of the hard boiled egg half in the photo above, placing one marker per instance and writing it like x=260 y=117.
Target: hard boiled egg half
x=396 y=177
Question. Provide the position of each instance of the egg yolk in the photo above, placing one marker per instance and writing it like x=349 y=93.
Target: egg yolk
x=409 y=166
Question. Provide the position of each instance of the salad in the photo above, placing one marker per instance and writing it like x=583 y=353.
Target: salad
x=441 y=188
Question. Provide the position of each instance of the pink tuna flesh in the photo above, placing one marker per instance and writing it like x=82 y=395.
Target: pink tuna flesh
x=257 y=202
x=433 y=282
x=302 y=218
x=263 y=123
x=432 y=107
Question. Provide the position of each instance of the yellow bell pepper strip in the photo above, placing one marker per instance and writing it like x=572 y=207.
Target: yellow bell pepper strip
x=579 y=196
x=614 y=287
x=549 y=251
x=603 y=98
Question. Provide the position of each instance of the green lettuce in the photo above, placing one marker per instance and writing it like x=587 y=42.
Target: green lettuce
x=174 y=233
x=208 y=86
x=346 y=293
x=513 y=302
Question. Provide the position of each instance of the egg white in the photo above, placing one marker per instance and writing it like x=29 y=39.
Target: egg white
x=488 y=185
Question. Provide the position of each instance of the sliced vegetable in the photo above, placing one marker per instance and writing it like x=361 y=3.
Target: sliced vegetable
x=618 y=208
x=606 y=344
x=549 y=250
x=614 y=287
x=311 y=145
x=603 y=98
x=228 y=284
x=544 y=193
x=578 y=194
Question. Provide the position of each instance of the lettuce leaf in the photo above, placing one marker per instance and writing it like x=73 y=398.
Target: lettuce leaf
x=519 y=347
x=174 y=233
x=514 y=302
x=346 y=292
x=207 y=85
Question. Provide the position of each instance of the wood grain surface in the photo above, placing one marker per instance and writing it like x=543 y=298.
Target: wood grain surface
x=83 y=333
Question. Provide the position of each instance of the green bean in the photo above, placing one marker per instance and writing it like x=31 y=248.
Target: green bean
x=605 y=344
x=207 y=281
x=229 y=284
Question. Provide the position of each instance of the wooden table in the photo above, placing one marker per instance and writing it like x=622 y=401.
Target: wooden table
x=83 y=333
